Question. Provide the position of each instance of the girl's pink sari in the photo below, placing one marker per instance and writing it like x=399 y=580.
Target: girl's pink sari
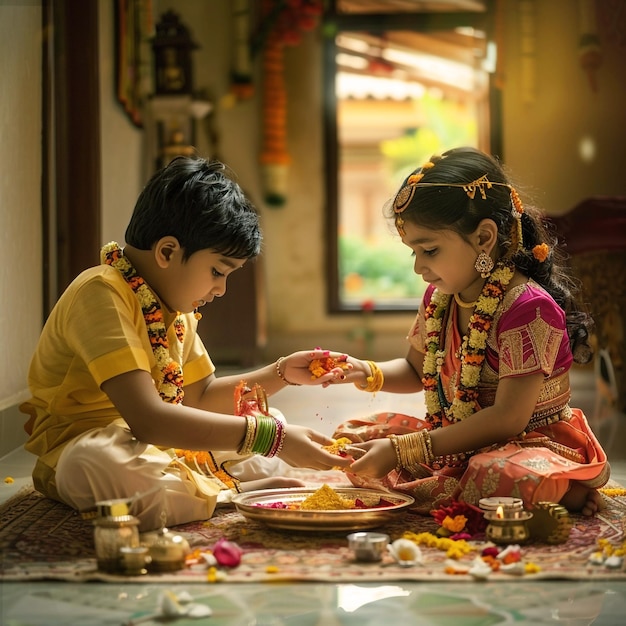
x=558 y=446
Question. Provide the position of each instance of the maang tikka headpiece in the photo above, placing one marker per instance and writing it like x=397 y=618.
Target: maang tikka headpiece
x=405 y=195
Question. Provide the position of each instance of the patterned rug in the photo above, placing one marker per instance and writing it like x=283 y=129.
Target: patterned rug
x=41 y=539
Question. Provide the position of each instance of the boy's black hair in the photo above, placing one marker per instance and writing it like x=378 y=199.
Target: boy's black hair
x=195 y=201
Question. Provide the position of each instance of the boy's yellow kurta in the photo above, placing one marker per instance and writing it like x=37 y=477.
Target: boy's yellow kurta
x=95 y=332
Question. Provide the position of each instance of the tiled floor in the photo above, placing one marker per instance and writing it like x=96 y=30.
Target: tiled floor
x=519 y=602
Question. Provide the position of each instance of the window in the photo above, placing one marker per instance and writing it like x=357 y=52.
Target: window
x=402 y=82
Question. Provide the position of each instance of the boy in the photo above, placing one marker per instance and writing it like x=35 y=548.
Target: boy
x=120 y=378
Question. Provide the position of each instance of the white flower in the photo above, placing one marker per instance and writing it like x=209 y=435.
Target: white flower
x=405 y=552
x=478 y=339
x=512 y=550
x=516 y=569
x=613 y=562
x=173 y=606
x=480 y=570
x=597 y=558
x=454 y=567
x=430 y=362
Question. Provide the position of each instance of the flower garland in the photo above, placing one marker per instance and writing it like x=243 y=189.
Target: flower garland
x=281 y=26
x=170 y=385
x=472 y=352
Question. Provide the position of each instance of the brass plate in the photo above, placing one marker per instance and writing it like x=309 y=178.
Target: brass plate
x=310 y=520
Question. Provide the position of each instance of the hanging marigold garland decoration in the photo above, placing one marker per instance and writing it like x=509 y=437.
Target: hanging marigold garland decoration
x=283 y=22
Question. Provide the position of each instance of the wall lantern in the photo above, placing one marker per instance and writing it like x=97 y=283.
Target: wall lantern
x=172 y=46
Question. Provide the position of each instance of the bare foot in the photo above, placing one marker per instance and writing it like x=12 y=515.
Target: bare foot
x=581 y=499
x=273 y=482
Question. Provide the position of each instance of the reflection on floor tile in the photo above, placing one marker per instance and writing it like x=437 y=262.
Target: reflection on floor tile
x=467 y=604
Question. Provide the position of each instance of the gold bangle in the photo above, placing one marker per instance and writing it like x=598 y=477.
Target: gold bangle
x=281 y=375
x=415 y=451
x=375 y=381
x=396 y=449
x=428 y=446
x=248 y=440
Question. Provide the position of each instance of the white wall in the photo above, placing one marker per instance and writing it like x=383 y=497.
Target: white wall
x=121 y=142
x=21 y=295
x=542 y=136
x=20 y=194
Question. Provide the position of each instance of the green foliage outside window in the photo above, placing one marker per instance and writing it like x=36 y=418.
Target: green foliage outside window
x=381 y=269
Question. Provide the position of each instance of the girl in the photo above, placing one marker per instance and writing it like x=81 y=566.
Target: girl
x=492 y=345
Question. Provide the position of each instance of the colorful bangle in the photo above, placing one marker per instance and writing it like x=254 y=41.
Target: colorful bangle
x=281 y=375
x=279 y=439
x=265 y=434
x=375 y=381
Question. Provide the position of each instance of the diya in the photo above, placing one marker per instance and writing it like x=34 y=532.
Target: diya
x=507 y=525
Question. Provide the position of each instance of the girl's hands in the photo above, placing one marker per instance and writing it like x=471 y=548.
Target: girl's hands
x=302 y=448
x=378 y=460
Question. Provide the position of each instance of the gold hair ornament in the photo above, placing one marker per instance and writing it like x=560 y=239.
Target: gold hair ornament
x=405 y=195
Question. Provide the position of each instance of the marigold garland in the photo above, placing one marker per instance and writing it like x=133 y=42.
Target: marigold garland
x=454 y=548
x=170 y=385
x=472 y=352
x=205 y=463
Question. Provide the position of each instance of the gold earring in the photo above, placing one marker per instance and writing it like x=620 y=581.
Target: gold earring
x=484 y=264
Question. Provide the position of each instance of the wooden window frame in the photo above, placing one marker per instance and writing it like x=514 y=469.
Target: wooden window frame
x=376 y=24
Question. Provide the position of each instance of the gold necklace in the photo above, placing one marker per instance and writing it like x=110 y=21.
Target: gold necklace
x=462 y=303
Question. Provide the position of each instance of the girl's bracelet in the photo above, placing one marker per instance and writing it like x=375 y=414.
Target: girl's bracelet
x=375 y=381
x=413 y=450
